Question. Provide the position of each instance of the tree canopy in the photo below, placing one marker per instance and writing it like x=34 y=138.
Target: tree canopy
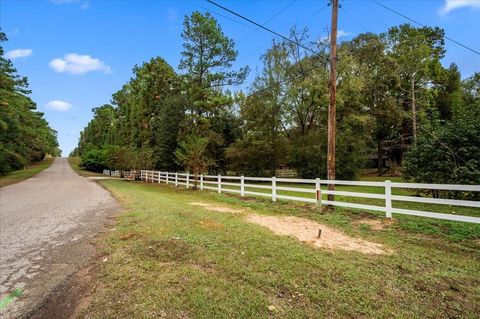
x=394 y=94
x=25 y=135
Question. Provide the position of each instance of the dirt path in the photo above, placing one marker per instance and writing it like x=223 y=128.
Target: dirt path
x=46 y=227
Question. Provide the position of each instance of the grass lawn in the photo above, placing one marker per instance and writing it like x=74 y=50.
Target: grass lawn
x=75 y=164
x=20 y=175
x=447 y=209
x=166 y=258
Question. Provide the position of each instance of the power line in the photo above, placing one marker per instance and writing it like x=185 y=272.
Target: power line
x=422 y=25
x=307 y=22
x=262 y=26
x=281 y=82
x=310 y=50
x=219 y=14
x=377 y=15
x=348 y=12
x=268 y=20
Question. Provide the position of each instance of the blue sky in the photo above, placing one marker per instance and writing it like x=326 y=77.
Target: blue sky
x=76 y=53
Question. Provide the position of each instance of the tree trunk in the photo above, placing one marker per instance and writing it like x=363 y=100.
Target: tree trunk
x=379 y=157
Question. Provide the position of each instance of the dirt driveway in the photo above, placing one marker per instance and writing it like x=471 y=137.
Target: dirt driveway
x=46 y=227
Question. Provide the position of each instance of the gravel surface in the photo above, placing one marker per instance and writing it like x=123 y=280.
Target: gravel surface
x=46 y=227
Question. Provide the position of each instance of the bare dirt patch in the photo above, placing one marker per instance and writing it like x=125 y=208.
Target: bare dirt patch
x=220 y=209
x=307 y=231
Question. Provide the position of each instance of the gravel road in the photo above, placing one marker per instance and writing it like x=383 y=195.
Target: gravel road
x=46 y=227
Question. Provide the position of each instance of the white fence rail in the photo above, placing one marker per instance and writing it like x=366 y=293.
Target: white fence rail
x=270 y=187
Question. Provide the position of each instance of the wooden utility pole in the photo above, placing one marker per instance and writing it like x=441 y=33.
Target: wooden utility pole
x=332 y=106
x=414 y=111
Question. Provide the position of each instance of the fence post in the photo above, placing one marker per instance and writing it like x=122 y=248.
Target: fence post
x=274 y=189
x=219 y=184
x=201 y=182
x=388 y=199
x=167 y=179
x=159 y=176
x=242 y=186
x=318 y=192
x=176 y=179
x=188 y=179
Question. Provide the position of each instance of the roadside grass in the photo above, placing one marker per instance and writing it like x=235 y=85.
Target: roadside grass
x=75 y=164
x=30 y=171
x=447 y=209
x=167 y=258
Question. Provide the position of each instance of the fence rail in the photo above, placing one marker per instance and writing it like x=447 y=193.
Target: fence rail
x=245 y=185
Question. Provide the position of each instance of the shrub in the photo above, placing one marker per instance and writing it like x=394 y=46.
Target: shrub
x=448 y=153
x=94 y=160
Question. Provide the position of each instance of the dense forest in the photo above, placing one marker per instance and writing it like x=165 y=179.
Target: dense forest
x=25 y=135
x=398 y=109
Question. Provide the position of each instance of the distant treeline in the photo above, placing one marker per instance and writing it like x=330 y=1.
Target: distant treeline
x=192 y=120
x=25 y=135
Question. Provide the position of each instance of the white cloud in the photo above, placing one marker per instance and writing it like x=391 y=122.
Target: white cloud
x=340 y=34
x=450 y=5
x=13 y=32
x=58 y=105
x=18 y=53
x=78 y=64
x=84 y=3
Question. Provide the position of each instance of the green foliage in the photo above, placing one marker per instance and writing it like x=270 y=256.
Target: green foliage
x=169 y=121
x=249 y=156
x=119 y=158
x=192 y=154
x=207 y=57
x=207 y=60
x=94 y=160
x=24 y=134
x=448 y=153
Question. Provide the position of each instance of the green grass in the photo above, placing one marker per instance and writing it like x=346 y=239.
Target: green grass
x=75 y=164
x=447 y=209
x=167 y=258
x=30 y=171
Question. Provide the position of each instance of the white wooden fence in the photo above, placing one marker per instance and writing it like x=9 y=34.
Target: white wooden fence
x=244 y=185
x=115 y=173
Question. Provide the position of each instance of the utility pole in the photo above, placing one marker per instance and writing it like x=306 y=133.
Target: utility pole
x=332 y=106
x=414 y=111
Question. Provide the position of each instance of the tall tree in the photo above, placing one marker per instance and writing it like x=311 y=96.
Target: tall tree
x=378 y=70
x=25 y=135
x=417 y=52
x=207 y=61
